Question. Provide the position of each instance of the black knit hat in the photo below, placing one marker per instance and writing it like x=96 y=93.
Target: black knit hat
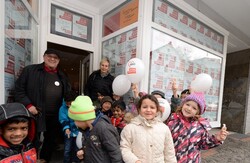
x=11 y=110
x=106 y=99
x=70 y=96
x=157 y=92
x=53 y=51
x=186 y=91
x=119 y=103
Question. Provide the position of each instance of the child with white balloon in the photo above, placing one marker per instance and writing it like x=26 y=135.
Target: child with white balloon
x=189 y=130
x=146 y=138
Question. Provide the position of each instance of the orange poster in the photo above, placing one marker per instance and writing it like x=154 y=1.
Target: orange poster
x=129 y=14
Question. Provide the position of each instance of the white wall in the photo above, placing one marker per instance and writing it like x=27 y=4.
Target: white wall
x=2 y=51
x=246 y=127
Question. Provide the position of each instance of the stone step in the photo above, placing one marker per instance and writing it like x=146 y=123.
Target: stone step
x=235 y=149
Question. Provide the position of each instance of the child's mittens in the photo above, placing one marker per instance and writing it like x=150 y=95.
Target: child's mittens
x=222 y=135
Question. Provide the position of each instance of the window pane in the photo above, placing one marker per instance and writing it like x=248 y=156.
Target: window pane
x=172 y=59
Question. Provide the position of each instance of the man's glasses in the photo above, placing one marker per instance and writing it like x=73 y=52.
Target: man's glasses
x=55 y=57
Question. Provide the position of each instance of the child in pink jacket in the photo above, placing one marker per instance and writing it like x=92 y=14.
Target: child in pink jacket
x=190 y=131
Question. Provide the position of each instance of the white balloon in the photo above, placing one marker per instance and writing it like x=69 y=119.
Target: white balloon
x=135 y=70
x=201 y=83
x=121 y=85
x=165 y=108
x=79 y=140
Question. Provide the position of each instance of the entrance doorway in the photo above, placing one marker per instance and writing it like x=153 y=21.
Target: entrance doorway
x=75 y=63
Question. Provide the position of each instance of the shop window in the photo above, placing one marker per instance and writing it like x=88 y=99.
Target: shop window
x=174 y=60
x=70 y=24
x=21 y=42
x=120 y=49
x=173 y=18
x=120 y=17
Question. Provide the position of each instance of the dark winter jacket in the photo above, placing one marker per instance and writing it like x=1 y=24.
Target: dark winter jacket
x=175 y=102
x=24 y=152
x=96 y=83
x=108 y=113
x=101 y=144
x=29 y=89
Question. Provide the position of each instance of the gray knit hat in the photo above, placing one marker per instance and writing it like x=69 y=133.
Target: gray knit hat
x=157 y=92
x=106 y=99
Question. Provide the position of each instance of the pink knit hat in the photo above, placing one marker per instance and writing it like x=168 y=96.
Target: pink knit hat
x=199 y=98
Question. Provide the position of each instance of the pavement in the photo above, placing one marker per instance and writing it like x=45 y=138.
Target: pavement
x=235 y=149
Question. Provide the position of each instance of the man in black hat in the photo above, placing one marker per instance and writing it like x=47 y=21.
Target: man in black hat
x=40 y=88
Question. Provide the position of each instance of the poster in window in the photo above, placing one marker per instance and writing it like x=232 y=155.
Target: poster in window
x=175 y=19
x=63 y=22
x=70 y=24
x=80 y=27
x=120 y=49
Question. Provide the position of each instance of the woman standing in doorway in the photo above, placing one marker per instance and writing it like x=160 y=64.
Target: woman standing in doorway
x=99 y=82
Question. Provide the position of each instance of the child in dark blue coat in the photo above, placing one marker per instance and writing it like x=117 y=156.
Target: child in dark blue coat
x=69 y=128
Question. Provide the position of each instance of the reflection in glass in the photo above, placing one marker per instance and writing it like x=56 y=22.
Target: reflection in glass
x=172 y=59
x=21 y=44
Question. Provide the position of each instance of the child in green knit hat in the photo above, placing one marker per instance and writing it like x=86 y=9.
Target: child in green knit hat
x=101 y=139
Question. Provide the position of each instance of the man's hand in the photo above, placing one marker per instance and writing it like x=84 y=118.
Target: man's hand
x=33 y=110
